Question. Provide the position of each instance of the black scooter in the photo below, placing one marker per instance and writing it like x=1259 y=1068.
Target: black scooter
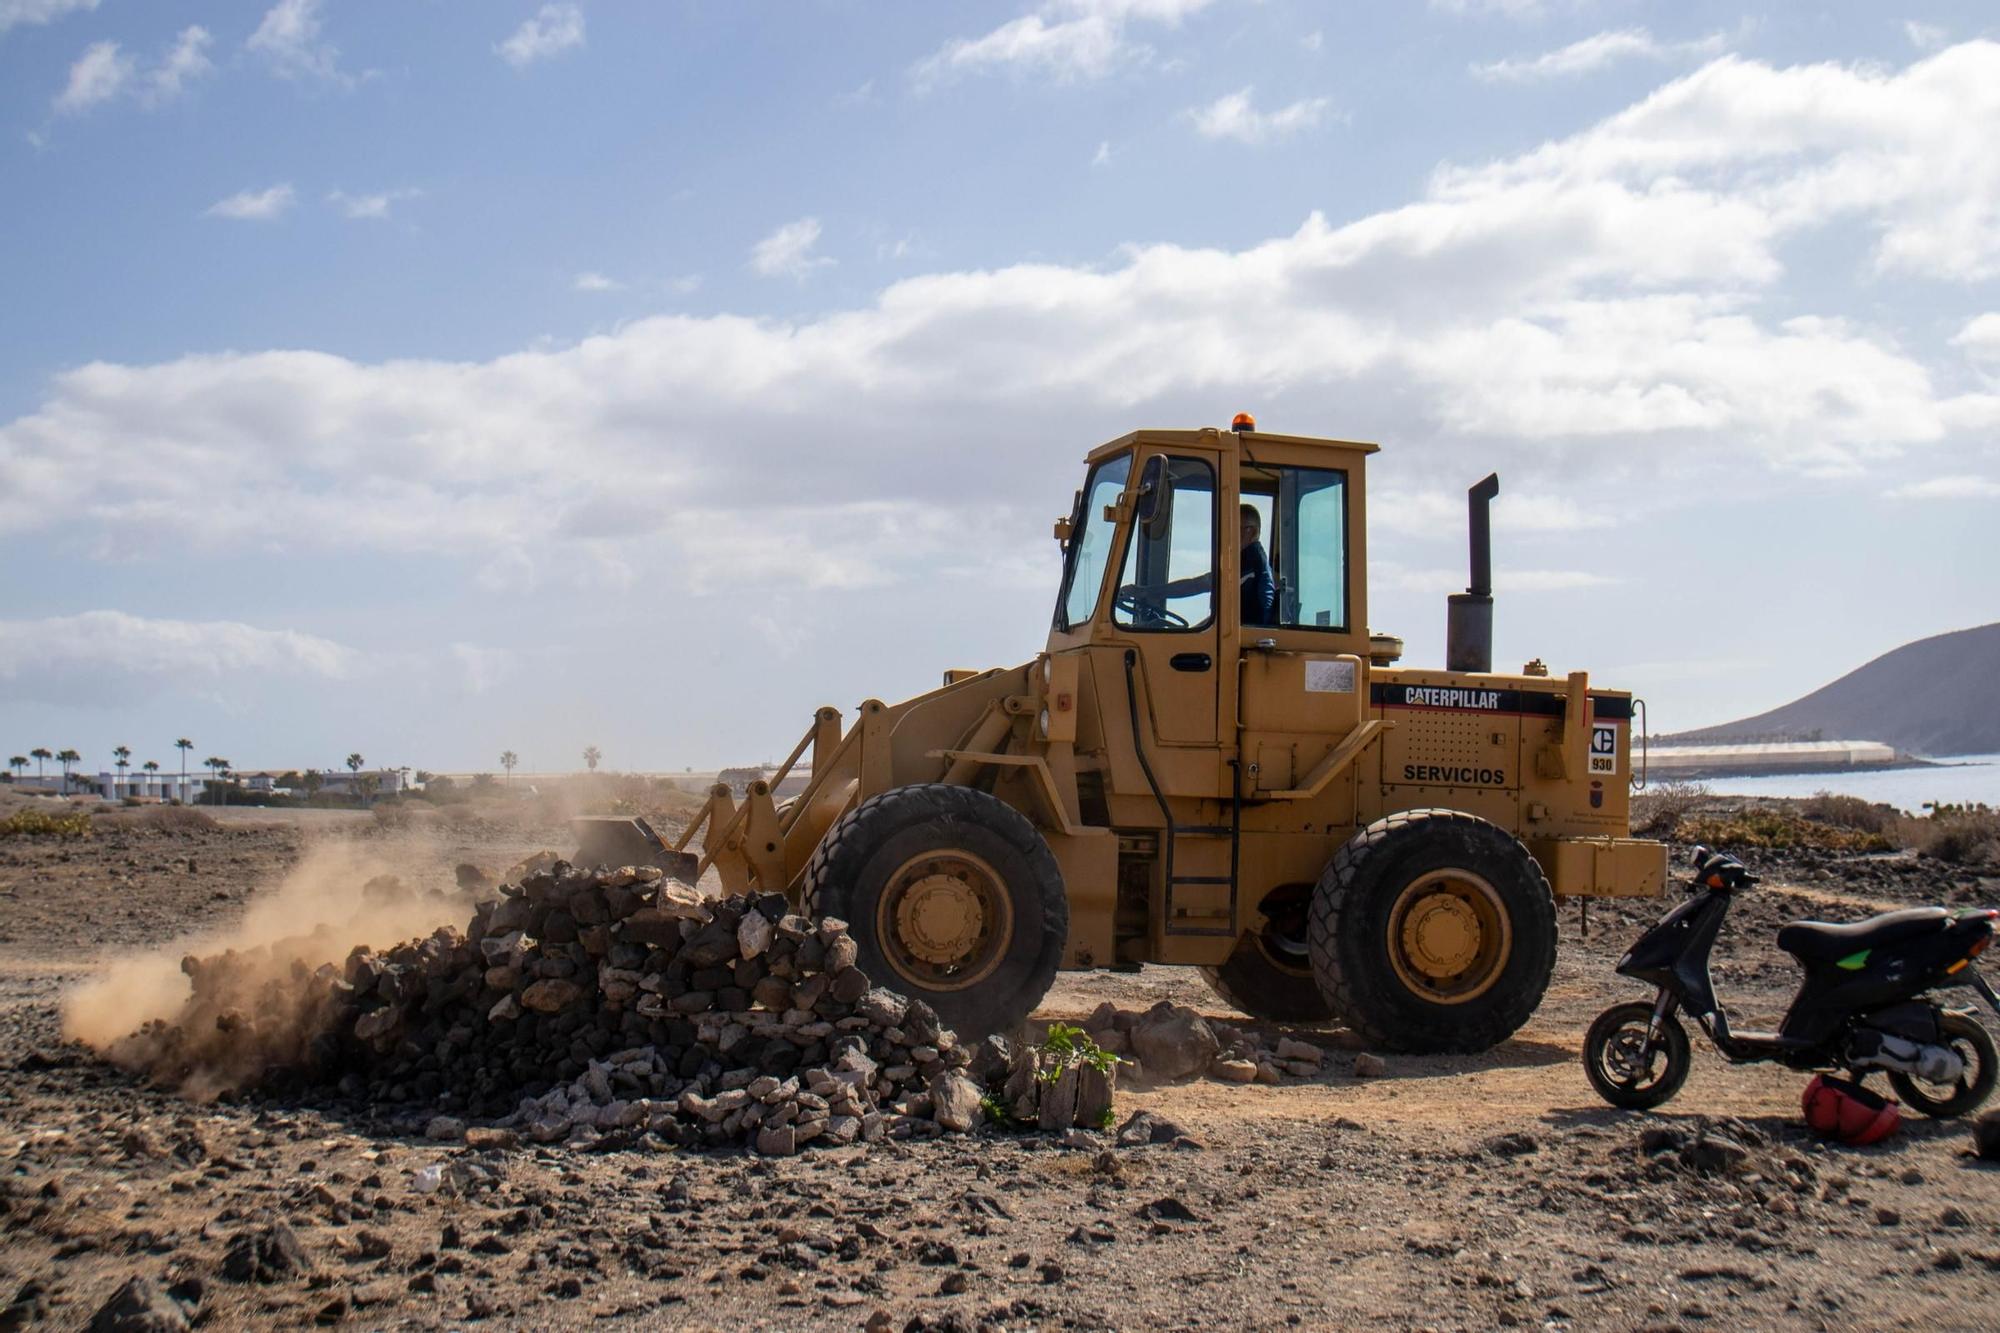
x=1863 y=1005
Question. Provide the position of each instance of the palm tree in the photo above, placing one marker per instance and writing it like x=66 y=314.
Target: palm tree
x=124 y=753
x=66 y=758
x=41 y=752
x=184 y=745
x=312 y=782
x=152 y=767
x=365 y=785
x=215 y=766
x=591 y=754
x=507 y=761
x=17 y=763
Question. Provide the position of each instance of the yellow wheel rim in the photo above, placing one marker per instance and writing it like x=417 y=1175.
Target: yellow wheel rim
x=1448 y=936
x=944 y=920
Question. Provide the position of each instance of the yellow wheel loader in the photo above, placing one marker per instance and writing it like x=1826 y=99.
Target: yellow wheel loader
x=1213 y=762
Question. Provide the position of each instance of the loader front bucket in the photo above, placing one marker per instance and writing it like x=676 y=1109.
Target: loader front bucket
x=627 y=840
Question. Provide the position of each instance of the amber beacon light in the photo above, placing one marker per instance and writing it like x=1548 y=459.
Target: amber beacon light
x=1243 y=421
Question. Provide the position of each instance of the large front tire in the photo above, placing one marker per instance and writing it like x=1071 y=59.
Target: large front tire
x=1433 y=930
x=953 y=897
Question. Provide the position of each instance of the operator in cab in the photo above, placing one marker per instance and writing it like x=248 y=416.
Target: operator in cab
x=1257 y=588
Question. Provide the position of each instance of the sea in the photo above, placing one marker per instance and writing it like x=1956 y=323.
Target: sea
x=1959 y=780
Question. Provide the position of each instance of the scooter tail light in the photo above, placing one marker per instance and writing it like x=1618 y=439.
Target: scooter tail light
x=1978 y=946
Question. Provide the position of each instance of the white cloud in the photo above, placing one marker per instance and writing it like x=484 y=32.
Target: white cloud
x=1611 y=316
x=1520 y=10
x=482 y=667
x=595 y=282
x=1925 y=36
x=1949 y=488
x=1234 y=116
x=186 y=60
x=788 y=251
x=1594 y=53
x=1066 y=40
x=1313 y=41
x=555 y=29
x=369 y=207
x=1981 y=339
x=99 y=74
x=105 y=72
x=288 y=41
x=254 y=205
x=116 y=652
x=685 y=284
x=1102 y=157
x=24 y=13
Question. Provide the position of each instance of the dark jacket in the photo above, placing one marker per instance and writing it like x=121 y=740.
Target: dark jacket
x=1260 y=590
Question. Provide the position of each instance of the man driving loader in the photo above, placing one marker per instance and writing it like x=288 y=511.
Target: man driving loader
x=1258 y=589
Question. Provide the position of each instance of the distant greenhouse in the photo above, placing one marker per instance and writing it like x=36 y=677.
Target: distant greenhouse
x=1668 y=762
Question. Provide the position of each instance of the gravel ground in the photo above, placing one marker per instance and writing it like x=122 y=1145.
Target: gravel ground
x=1461 y=1192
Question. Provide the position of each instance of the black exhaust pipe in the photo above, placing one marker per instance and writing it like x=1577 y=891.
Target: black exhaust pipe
x=1468 y=641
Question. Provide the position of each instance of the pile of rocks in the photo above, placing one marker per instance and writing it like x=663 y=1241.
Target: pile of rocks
x=579 y=1005
x=1171 y=1042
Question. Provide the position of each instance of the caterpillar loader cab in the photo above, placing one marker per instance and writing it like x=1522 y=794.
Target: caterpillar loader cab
x=1214 y=763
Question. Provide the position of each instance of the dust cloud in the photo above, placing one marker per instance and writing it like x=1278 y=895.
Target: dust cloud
x=215 y=1011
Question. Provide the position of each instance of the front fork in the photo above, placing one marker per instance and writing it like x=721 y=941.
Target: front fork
x=1663 y=1009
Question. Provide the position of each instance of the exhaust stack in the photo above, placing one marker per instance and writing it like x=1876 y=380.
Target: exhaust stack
x=1468 y=642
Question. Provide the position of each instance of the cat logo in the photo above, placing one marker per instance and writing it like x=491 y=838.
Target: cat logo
x=1604 y=748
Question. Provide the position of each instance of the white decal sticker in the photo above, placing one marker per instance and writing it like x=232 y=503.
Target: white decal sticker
x=1329 y=677
x=1604 y=748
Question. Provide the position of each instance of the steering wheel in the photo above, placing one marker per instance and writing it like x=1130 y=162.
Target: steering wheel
x=1146 y=610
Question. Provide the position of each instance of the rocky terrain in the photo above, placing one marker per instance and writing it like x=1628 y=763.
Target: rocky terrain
x=1295 y=1181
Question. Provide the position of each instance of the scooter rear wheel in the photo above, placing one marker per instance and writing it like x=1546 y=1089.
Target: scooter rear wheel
x=1627 y=1069
x=1967 y=1036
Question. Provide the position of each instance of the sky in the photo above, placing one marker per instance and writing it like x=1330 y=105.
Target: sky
x=427 y=380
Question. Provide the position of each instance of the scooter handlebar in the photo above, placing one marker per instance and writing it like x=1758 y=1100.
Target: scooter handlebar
x=1718 y=870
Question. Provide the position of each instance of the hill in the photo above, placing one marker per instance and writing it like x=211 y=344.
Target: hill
x=1935 y=696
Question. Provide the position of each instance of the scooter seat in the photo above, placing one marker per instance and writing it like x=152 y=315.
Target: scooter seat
x=1824 y=942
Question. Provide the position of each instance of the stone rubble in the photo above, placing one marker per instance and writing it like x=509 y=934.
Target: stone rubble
x=595 y=1009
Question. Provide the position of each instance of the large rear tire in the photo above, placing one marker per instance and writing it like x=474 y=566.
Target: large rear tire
x=953 y=897
x=1433 y=930
x=1269 y=974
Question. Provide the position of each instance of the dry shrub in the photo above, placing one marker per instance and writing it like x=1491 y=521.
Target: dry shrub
x=1960 y=834
x=176 y=819
x=42 y=824
x=1850 y=812
x=1658 y=810
x=1776 y=830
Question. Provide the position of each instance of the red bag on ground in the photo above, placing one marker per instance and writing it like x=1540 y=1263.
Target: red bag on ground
x=1844 y=1110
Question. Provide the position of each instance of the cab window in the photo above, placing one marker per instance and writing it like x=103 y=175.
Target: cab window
x=1090 y=546
x=1168 y=581
x=1304 y=522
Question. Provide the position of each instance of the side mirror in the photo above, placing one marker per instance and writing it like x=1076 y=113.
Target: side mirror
x=1152 y=510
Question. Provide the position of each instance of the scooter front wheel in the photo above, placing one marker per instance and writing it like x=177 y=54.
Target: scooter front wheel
x=1941 y=1101
x=1629 y=1064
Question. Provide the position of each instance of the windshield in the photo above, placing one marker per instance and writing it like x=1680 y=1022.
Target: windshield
x=1090 y=545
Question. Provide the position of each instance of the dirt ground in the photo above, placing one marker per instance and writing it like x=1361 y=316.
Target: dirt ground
x=1453 y=1193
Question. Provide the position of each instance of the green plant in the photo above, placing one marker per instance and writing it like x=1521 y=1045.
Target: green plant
x=1106 y=1118
x=42 y=824
x=996 y=1111
x=1073 y=1046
